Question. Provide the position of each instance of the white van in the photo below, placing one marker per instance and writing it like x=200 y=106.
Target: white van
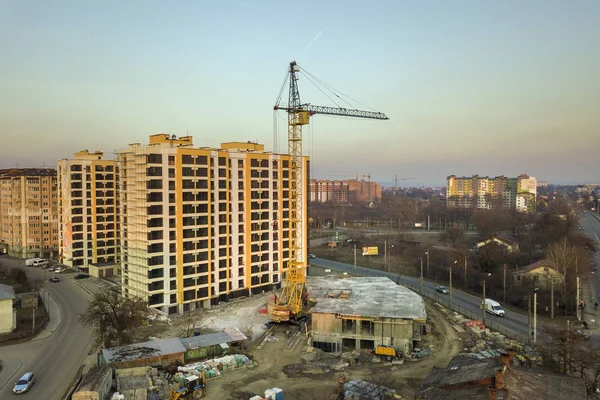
x=493 y=307
x=36 y=262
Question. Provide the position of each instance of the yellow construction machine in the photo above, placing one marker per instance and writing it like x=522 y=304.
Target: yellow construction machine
x=194 y=387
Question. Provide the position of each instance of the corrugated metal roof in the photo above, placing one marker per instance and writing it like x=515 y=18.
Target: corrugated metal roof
x=210 y=339
x=6 y=292
x=236 y=334
x=138 y=351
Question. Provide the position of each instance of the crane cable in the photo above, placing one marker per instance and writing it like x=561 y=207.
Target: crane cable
x=334 y=90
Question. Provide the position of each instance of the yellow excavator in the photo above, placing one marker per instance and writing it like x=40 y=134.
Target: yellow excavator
x=194 y=387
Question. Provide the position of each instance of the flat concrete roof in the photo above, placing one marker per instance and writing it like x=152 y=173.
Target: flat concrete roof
x=366 y=297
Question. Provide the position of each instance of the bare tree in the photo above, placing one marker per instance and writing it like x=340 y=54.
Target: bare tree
x=113 y=317
x=564 y=257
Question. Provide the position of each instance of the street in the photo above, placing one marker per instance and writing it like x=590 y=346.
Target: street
x=591 y=227
x=55 y=359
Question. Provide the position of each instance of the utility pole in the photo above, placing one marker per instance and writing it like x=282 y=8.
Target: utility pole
x=465 y=272
x=421 y=275
x=504 y=286
x=33 y=324
x=483 y=303
x=534 y=317
x=385 y=252
x=427 y=270
x=529 y=317
x=451 y=283
x=428 y=222
x=354 y=259
x=552 y=299
x=578 y=302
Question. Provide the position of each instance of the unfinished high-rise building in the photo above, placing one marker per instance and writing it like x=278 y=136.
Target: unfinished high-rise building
x=88 y=203
x=202 y=225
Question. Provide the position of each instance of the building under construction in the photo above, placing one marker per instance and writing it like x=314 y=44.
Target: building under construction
x=362 y=313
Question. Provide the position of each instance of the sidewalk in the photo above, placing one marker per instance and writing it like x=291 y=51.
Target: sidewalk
x=54 y=319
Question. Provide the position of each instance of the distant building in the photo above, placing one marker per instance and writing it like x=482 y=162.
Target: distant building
x=492 y=193
x=202 y=225
x=8 y=315
x=29 y=212
x=541 y=273
x=326 y=191
x=352 y=191
x=507 y=243
x=89 y=212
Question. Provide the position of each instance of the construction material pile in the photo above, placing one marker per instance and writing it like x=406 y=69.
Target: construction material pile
x=357 y=389
x=213 y=368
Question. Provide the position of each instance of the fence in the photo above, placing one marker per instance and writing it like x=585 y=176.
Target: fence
x=414 y=285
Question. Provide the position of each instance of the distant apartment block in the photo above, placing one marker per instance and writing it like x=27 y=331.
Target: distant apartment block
x=353 y=191
x=202 y=225
x=28 y=212
x=88 y=208
x=492 y=193
x=326 y=191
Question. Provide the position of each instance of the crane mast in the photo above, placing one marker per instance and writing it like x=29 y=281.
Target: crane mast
x=290 y=304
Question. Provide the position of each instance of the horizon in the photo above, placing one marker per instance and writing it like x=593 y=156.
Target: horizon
x=501 y=87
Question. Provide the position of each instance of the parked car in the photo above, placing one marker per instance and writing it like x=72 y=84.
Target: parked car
x=25 y=383
x=442 y=289
x=81 y=276
x=58 y=270
x=312 y=256
x=54 y=279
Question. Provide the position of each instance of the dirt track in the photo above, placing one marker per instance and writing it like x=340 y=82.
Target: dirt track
x=316 y=379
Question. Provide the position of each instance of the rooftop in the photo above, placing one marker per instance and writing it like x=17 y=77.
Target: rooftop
x=529 y=384
x=6 y=292
x=14 y=172
x=138 y=351
x=541 y=263
x=373 y=297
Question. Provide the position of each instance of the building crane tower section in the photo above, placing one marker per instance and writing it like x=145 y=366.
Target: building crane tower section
x=290 y=303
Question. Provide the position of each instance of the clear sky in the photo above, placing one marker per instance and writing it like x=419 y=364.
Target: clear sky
x=471 y=87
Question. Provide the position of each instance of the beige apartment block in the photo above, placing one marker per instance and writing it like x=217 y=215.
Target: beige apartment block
x=203 y=225
x=28 y=212
x=88 y=208
x=482 y=192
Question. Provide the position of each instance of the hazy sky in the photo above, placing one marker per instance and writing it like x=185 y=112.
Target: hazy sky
x=471 y=87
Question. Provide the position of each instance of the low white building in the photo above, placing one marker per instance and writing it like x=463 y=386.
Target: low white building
x=8 y=315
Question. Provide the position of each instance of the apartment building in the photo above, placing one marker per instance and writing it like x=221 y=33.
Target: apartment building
x=504 y=193
x=344 y=192
x=326 y=191
x=88 y=209
x=202 y=225
x=28 y=212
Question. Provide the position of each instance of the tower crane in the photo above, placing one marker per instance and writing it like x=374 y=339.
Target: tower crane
x=396 y=179
x=290 y=303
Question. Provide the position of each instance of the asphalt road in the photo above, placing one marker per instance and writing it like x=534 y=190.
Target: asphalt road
x=55 y=359
x=591 y=227
x=515 y=323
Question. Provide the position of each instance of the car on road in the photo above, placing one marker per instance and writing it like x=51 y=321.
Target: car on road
x=54 y=279
x=312 y=256
x=442 y=289
x=59 y=270
x=25 y=383
x=81 y=276
x=581 y=228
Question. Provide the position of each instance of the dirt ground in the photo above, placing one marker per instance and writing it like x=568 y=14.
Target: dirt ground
x=316 y=378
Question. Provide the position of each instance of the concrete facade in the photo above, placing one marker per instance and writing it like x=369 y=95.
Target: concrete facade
x=201 y=225
x=87 y=188
x=362 y=313
x=29 y=212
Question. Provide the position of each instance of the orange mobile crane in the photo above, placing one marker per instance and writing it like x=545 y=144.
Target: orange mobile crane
x=290 y=303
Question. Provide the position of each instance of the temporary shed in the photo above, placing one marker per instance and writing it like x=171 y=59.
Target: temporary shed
x=154 y=353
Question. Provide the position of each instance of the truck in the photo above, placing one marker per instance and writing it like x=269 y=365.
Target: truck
x=388 y=352
x=493 y=307
x=36 y=262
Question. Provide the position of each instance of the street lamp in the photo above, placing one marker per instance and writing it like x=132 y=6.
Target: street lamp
x=427 y=270
x=483 y=301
